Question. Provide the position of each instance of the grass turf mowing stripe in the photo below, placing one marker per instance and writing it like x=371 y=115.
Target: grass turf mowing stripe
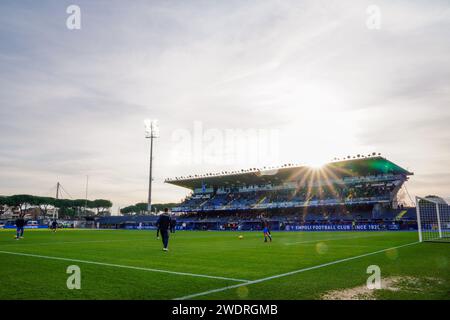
x=332 y=239
x=124 y=266
x=290 y=273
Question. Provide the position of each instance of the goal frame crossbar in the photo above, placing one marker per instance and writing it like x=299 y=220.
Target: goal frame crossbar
x=438 y=219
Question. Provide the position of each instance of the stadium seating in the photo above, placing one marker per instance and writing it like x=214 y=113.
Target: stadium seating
x=333 y=194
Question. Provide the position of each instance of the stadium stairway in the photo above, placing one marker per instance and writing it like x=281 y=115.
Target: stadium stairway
x=261 y=200
x=400 y=215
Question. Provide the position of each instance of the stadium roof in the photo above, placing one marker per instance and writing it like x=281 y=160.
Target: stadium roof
x=337 y=169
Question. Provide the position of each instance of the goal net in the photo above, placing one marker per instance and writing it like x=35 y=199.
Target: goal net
x=433 y=219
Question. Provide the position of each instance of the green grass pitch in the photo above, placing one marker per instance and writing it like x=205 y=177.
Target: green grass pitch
x=125 y=264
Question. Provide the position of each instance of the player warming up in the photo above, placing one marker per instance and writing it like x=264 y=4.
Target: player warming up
x=266 y=231
x=173 y=224
x=157 y=230
x=163 y=227
x=20 y=224
x=54 y=225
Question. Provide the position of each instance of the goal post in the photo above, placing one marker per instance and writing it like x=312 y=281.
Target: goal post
x=433 y=220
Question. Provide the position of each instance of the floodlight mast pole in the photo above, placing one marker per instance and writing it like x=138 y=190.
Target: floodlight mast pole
x=149 y=207
x=151 y=136
x=57 y=191
x=86 y=197
x=55 y=212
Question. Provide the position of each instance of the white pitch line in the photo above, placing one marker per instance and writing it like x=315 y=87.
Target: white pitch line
x=290 y=273
x=63 y=242
x=123 y=266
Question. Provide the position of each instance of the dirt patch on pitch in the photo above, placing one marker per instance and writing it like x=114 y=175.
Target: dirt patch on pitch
x=411 y=284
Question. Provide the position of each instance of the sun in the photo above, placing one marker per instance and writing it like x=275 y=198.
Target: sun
x=316 y=163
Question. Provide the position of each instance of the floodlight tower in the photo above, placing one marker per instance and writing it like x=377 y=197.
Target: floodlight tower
x=55 y=211
x=151 y=132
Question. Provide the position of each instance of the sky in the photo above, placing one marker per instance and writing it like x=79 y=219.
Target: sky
x=233 y=84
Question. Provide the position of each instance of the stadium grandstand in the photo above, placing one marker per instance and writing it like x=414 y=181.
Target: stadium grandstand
x=341 y=195
x=361 y=189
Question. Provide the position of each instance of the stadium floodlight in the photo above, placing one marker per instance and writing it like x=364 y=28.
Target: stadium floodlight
x=151 y=128
x=151 y=132
x=433 y=219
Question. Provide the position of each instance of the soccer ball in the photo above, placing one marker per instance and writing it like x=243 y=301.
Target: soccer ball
x=241 y=237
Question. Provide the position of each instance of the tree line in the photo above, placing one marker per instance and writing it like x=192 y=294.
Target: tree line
x=141 y=208
x=66 y=207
